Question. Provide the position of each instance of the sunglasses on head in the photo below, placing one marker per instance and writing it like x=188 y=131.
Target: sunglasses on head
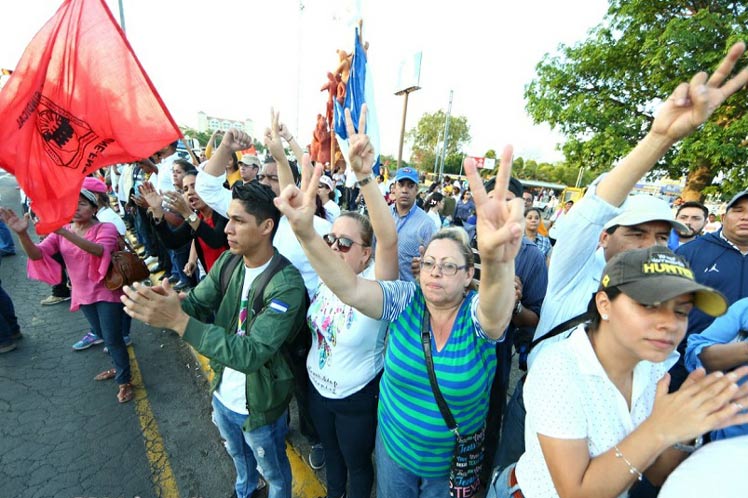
x=344 y=243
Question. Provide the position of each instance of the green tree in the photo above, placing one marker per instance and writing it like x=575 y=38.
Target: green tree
x=429 y=132
x=602 y=93
x=202 y=136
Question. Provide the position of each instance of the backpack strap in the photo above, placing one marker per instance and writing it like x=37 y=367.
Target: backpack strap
x=561 y=328
x=228 y=270
x=261 y=281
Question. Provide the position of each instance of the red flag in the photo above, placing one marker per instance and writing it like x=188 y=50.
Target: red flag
x=78 y=100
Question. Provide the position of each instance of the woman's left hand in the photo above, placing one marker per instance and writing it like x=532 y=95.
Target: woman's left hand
x=500 y=221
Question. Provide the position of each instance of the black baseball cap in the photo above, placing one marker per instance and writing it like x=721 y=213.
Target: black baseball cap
x=515 y=186
x=654 y=275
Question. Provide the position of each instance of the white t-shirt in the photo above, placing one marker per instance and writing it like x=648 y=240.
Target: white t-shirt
x=211 y=191
x=347 y=346
x=232 y=391
x=716 y=469
x=568 y=395
x=435 y=218
x=332 y=211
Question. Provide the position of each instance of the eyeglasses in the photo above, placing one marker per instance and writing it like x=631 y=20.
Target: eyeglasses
x=344 y=243
x=272 y=178
x=446 y=269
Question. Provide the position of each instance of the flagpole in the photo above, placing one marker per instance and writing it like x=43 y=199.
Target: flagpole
x=122 y=16
x=446 y=135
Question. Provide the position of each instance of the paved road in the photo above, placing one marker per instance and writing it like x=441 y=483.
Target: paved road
x=63 y=435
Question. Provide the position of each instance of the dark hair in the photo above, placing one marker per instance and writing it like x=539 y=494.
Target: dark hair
x=257 y=200
x=537 y=210
x=184 y=164
x=234 y=162
x=515 y=186
x=434 y=199
x=190 y=172
x=320 y=210
x=693 y=204
x=593 y=313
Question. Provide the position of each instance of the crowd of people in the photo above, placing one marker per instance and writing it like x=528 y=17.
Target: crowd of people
x=395 y=326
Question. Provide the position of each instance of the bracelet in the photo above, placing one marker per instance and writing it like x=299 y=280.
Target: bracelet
x=365 y=181
x=632 y=470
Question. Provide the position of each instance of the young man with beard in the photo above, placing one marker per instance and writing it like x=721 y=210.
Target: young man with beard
x=693 y=215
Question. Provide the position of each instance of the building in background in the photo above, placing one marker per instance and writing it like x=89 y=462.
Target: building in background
x=207 y=123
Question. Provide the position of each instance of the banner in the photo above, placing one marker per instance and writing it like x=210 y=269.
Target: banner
x=78 y=100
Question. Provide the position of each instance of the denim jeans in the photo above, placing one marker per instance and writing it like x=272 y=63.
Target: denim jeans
x=394 y=481
x=264 y=447
x=179 y=258
x=6 y=240
x=8 y=320
x=347 y=428
x=512 y=442
x=499 y=485
x=105 y=320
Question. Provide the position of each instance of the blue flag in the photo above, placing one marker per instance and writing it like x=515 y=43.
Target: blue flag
x=359 y=91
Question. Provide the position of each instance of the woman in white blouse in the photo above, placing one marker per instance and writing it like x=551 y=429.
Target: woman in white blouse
x=599 y=415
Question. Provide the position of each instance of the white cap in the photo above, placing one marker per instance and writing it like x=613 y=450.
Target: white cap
x=638 y=209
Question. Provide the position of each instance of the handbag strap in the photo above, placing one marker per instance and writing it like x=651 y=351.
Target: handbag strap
x=441 y=403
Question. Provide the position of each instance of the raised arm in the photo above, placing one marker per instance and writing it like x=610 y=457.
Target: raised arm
x=275 y=147
x=298 y=152
x=499 y=229
x=299 y=206
x=687 y=108
x=233 y=140
x=21 y=227
x=361 y=157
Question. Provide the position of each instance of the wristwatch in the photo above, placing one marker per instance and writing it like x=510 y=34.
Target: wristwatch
x=192 y=218
x=690 y=448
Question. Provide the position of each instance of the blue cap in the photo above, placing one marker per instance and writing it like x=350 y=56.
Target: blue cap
x=407 y=174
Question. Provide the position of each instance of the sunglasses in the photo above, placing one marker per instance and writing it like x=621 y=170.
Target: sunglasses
x=344 y=243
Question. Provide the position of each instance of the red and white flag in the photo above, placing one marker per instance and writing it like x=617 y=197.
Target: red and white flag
x=77 y=101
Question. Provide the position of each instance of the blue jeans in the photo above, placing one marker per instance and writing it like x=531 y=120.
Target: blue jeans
x=347 y=428
x=512 y=442
x=6 y=240
x=8 y=320
x=394 y=481
x=105 y=320
x=499 y=486
x=264 y=447
x=179 y=258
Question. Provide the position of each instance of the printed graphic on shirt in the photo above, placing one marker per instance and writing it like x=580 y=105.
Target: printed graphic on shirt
x=334 y=317
x=241 y=329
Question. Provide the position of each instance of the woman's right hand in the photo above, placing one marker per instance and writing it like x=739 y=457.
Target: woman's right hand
x=361 y=154
x=703 y=403
x=10 y=218
x=189 y=268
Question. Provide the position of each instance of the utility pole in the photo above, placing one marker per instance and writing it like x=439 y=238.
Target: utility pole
x=122 y=16
x=405 y=92
x=446 y=135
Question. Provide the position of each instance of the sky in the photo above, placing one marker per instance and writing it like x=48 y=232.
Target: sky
x=237 y=58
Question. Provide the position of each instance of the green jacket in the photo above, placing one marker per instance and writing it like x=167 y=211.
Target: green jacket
x=270 y=382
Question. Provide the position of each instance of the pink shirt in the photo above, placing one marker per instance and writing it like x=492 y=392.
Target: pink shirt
x=85 y=270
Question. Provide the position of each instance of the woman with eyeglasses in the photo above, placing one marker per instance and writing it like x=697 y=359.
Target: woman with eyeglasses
x=414 y=447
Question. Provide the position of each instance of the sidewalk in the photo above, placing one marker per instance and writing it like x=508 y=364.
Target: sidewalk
x=64 y=435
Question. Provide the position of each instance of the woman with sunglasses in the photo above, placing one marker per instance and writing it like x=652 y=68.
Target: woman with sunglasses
x=414 y=447
x=599 y=416
x=347 y=354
